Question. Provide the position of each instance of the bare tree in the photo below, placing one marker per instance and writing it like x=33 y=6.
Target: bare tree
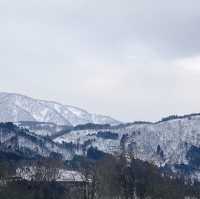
x=47 y=169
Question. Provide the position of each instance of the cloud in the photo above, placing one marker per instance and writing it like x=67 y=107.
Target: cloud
x=126 y=58
x=191 y=64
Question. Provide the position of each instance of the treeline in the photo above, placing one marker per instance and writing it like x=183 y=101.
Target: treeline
x=102 y=177
x=122 y=178
x=174 y=117
x=92 y=126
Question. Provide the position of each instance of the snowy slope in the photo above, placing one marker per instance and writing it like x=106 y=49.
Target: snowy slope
x=164 y=143
x=16 y=107
x=21 y=141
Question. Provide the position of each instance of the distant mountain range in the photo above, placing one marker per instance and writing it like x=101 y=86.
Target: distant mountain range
x=16 y=107
x=173 y=142
x=42 y=128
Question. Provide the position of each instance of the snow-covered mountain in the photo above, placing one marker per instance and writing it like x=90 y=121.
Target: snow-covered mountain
x=16 y=107
x=27 y=144
x=174 y=142
x=43 y=128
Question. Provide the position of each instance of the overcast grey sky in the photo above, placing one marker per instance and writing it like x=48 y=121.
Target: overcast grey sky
x=131 y=59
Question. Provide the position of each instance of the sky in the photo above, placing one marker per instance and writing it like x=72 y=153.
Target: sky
x=130 y=59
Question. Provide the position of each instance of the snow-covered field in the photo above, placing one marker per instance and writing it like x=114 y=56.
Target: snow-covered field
x=63 y=175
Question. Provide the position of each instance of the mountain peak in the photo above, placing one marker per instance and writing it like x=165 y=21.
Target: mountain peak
x=17 y=107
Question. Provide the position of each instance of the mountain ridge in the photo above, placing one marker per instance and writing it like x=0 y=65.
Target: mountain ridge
x=17 y=107
x=173 y=143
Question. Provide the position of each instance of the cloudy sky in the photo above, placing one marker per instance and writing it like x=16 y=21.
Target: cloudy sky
x=131 y=59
